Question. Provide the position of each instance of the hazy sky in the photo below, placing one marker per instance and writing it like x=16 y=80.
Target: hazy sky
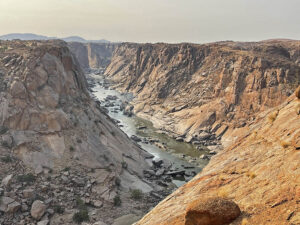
x=154 y=20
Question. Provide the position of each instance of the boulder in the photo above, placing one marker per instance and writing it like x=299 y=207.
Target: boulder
x=28 y=193
x=204 y=136
x=97 y=203
x=38 y=209
x=13 y=207
x=44 y=222
x=157 y=162
x=160 y=172
x=4 y=202
x=135 y=138
x=7 y=141
x=211 y=211
x=297 y=92
x=7 y=180
x=17 y=89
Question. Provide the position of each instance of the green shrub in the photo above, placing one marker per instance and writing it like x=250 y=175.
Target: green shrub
x=117 y=200
x=117 y=182
x=80 y=203
x=124 y=165
x=29 y=178
x=3 y=130
x=136 y=194
x=7 y=159
x=72 y=149
x=105 y=157
x=5 y=144
x=81 y=216
x=66 y=169
x=58 y=209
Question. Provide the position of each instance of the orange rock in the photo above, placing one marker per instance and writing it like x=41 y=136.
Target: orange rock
x=212 y=211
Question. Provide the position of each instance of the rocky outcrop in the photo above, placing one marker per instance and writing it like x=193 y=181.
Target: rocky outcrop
x=92 y=55
x=57 y=141
x=188 y=89
x=46 y=110
x=259 y=172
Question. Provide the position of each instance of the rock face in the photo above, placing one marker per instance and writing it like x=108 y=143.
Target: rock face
x=92 y=55
x=46 y=110
x=259 y=172
x=187 y=89
x=50 y=128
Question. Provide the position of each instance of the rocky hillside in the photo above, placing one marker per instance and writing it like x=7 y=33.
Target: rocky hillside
x=198 y=93
x=58 y=148
x=259 y=173
x=92 y=55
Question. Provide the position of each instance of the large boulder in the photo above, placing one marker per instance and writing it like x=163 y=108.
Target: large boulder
x=212 y=211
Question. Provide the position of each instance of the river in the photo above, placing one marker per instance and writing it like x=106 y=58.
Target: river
x=183 y=156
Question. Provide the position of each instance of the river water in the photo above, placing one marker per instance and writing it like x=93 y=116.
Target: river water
x=183 y=156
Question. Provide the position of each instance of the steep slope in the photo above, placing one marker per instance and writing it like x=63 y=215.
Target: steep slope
x=199 y=91
x=260 y=172
x=92 y=55
x=50 y=125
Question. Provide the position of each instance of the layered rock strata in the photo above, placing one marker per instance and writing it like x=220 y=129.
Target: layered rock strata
x=201 y=92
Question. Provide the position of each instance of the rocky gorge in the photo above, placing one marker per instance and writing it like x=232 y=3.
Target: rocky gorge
x=233 y=96
x=202 y=93
x=63 y=159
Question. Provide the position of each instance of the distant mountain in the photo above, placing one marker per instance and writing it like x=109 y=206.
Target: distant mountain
x=74 y=39
x=29 y=36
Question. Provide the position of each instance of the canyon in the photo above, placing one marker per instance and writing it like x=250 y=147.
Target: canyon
x=202 y=92
x=227 y=95
x=60 y=148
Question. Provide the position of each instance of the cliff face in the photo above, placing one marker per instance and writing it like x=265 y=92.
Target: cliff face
x=92 y=55
x=49 y=121
x=259 y=172
x=191 y=90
